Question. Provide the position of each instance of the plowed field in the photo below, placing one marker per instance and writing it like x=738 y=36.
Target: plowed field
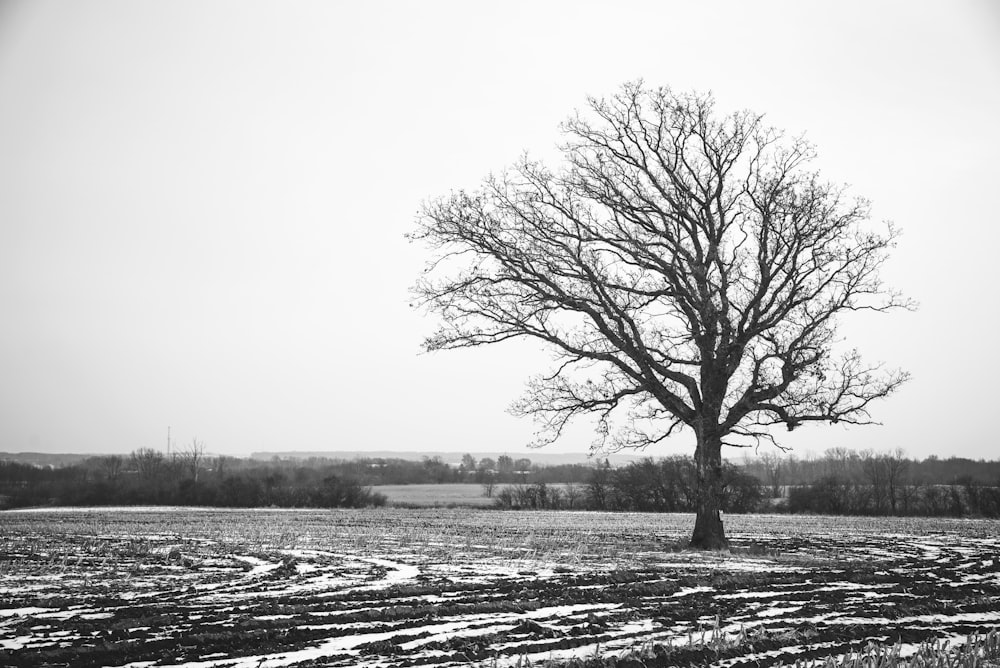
x=154 y=587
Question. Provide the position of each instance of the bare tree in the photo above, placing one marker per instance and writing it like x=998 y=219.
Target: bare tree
x=505 y=464
x=147 y=461
x=599 y=486
x=886 y=474
x=220 y=466
x=896 y=466
x=573 y=495
x=773 y=471
x=522 y=467
x=192 y=457
x=909 y=494
x=687 y=269
x=876 y=474
x=112 y=466
x=841 y=462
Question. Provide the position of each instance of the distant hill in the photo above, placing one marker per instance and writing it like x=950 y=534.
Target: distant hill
x=55 y=460
x=547 y=458
x=58 y=460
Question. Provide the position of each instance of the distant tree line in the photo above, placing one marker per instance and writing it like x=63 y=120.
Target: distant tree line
x=188 y=477
x=657 y=486
x=790 y=470
x=434 y=470
x=842 y=481
x=847 y=482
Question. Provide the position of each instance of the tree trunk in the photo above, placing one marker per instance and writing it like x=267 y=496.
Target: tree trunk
x=709 y=534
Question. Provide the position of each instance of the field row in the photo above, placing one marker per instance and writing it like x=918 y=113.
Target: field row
x=430 y=587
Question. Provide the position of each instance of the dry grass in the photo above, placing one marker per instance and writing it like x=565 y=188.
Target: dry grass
x=451 y=494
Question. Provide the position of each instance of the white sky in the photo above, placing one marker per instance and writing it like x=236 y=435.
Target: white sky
x=202 y=204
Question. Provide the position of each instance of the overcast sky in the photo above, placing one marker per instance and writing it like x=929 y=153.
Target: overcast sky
x=203 y=204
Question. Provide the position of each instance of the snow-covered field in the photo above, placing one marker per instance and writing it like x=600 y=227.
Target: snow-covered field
x=262 y=588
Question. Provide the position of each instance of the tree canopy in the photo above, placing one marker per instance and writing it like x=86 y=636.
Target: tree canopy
x=686 y=267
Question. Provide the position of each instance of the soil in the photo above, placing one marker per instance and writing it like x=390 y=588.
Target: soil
x=149 y=587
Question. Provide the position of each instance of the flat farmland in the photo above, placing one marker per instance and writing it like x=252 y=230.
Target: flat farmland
x=447 y=494
x=406 y=587
x=458 y=494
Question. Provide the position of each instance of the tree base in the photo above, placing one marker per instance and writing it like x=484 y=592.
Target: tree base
x=710 y=543
x=709 y=534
